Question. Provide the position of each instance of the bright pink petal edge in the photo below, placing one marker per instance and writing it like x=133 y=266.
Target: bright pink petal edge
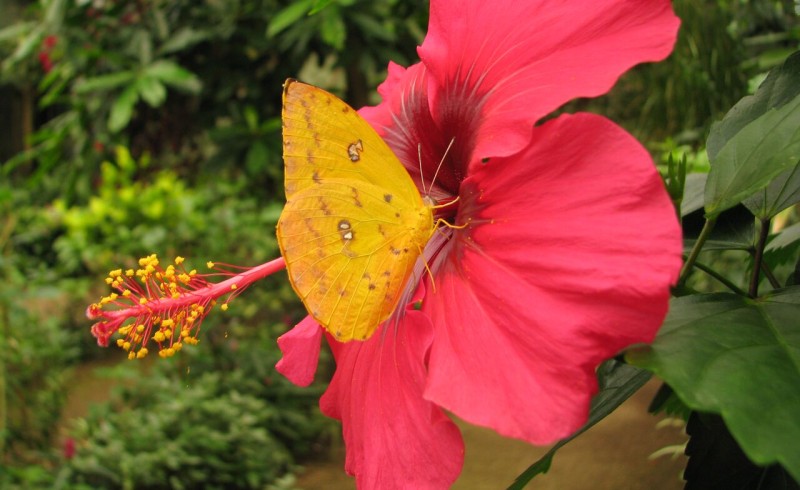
x=394 y=438
x=300 y=347
x=517 y=61
x=569 y=258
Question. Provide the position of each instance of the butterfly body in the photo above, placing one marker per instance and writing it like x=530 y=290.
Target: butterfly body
x=354 y=223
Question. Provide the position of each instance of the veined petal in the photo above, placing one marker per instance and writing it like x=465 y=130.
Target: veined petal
x=395 y=439
x=570 y=252
x=300 y=347
x=508 y=64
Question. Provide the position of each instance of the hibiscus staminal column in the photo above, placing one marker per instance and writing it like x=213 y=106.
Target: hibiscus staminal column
x=166 y=306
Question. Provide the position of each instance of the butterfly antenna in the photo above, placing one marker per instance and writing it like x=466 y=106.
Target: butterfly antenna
x=441 y=162
x=421 y=177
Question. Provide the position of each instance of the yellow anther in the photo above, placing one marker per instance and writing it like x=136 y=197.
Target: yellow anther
x=168 y=322
x=131 y=356
x=109 y=280
x=126 y=345
x=139 y=328
x=113 y=296
x=115 y=273
x=185 y=332
x=129 y=272
x=142 y=301
x=120 y=342
x=184 y=278
x=126 y=293
x=210 y=264
x=179 y=260
x=193 y=272
x=177 y=346
x=168 y=333
x=142 y=352
x=233 y=287
x=125 y=330
x=159 y=337
x=224 y=307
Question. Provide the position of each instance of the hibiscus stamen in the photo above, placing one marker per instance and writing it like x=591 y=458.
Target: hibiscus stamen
x=166 y=305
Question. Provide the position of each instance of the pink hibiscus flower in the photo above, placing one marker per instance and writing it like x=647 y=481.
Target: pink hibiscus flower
x=565 y=249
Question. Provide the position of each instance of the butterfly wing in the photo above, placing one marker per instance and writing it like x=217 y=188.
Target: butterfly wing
x=324 y=138
x=354 y=223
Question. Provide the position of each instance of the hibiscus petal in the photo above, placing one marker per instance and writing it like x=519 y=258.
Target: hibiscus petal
x=300 y=347
x=569 y=256
x=517 y=61
x=394 y=438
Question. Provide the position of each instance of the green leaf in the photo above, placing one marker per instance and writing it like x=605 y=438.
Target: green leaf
x=733 y=230
x=618 y=382
x=757 y=140
x=152 y=91
x=717 y=461
x=333 y=30
x=104 y=82
x=182 y=39
x=319 y=5
x=174 y=75
x=740 y=358
x=750 y=160
x=288 y=16
x=122 y=108
x=781 y=193
x=693 y=193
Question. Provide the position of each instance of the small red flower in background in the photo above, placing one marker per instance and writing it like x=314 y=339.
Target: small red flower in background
x=564 y=247
x=45 y=60
x=69 y=448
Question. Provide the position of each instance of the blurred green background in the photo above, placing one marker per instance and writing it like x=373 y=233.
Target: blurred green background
x=129 y=127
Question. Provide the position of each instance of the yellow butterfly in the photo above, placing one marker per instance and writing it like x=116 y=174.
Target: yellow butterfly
x=354 y=223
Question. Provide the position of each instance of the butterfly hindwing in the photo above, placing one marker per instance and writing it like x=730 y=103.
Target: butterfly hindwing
x=347 y=261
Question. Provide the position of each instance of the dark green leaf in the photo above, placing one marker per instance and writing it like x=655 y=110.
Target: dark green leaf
x=756 y=141
x=122 y=108
x=257 y=157
x=288 y=16
x=333 y=30
x=183 y=39
x=781 y=193
x=733 y=230
x=175 y=76
x=780 y=87
x=319 y=5
x=618 y=382
x=785 y=238
x=104 y=82
x=740 y=358
x=693 y=193
x=716 y=462
x=152 y=91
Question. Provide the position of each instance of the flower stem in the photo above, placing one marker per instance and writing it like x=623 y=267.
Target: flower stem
x=698 y=247
x=759 y=257
x=724 y=280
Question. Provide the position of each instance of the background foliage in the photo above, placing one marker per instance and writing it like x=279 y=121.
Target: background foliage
x=153 y=125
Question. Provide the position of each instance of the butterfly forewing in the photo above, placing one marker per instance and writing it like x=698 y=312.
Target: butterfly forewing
x=324 y=138
x=354 y=224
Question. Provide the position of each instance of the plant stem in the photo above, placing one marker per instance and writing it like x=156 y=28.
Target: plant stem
x=698 y=246
x=763 y=233
x=773 y=281
x=724 y=280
